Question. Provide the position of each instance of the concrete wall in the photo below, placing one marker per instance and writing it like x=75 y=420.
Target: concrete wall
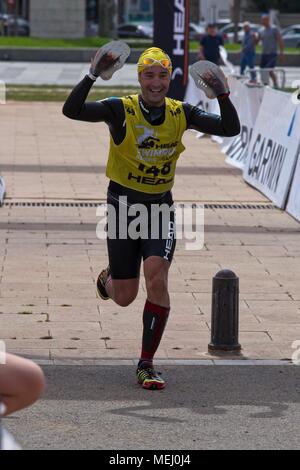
x=211 y=10
x=57 y=18
x=83 y=55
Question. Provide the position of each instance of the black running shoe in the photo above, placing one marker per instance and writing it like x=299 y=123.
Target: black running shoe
x=101 y=281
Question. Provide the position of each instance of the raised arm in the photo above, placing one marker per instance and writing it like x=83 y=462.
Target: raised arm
x=211 y=79
x=76 y=107
x=107 y=60
x=280 y=42
x=227 y=124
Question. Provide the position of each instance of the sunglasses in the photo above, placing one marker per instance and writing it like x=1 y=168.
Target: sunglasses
x=166 y=63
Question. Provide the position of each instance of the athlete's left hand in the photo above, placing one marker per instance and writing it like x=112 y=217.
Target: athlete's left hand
x=210 y=78
x=219 y=87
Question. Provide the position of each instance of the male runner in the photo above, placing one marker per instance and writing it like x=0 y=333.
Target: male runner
x=145 y=143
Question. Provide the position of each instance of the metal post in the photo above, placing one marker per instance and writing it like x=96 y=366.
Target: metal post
x=225 y=312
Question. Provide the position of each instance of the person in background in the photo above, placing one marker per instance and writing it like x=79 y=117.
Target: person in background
x=248 y=51
x=271 y=39
x=210 y=45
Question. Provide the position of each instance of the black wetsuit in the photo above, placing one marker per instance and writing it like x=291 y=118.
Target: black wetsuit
x=125 y=254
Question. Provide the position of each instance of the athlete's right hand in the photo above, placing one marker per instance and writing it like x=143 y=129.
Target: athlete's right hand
x=101 y=63
x=108 y=59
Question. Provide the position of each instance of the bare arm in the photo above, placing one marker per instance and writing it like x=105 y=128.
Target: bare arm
x=201 y=53
x=280 y=42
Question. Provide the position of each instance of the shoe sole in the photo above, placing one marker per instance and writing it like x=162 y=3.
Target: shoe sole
x=153 y=385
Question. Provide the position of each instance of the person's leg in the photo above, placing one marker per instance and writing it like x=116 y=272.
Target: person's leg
x=22 y=382
x=157 y=306
x=120 y=281
x=155 y=316
x=122 y=291
x=251 y=63
x=274 y=78
x=243 y=64
x=264 y=73
x=272 y=64
x=157 y=254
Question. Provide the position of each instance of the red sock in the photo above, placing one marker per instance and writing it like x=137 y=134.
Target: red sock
x=154 y=320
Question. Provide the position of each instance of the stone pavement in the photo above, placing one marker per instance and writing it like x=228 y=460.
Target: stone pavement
x=60 y=73
x=50 y=256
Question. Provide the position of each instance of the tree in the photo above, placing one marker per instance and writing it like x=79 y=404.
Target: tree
x=107 y=18
x=235 y=16
x=195 y=11
x=284 y=6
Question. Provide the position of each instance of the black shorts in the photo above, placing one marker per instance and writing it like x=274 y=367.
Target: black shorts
x=268 y=61
x=137 y=230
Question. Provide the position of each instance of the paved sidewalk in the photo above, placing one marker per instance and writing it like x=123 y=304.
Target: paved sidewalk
x=60 y=73
x=50 y=254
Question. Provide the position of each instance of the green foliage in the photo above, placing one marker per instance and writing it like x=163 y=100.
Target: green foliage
x=60 y=93
x=284 y=6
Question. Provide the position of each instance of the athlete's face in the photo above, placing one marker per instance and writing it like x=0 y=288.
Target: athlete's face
x=155 y=82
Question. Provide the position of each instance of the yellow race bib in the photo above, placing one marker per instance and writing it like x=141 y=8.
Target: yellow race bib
x=146 y=159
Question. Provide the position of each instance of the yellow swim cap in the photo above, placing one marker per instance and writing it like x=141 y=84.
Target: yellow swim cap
x=154 y=56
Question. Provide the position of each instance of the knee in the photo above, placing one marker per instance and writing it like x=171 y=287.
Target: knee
x=34 y=382
x=125 y=299
x=29 y=385
x=157 y=284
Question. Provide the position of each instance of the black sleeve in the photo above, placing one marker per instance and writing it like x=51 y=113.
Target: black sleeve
x=111 y=110
x=226 y=125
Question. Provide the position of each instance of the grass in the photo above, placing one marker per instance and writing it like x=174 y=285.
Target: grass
x=91 y=42
x=59 y=93
x=237 y=48
x=12 y=41
x=95 y=42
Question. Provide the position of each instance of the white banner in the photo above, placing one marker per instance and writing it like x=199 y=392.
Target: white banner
x=235 y=83
x=293 y=205
x=198 y=98
x=273 y=147
x=248 y=104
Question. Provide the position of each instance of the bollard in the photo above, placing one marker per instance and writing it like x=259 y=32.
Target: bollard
x=225 y=312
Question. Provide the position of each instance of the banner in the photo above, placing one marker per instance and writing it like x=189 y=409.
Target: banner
x=235 y=86
x=171 y=33
x=248 y=104
x=198 y=98
x=273 y=147
x=293 y=205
